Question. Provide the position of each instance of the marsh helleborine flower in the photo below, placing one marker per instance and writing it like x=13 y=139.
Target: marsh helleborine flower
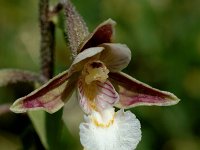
x=96 y=76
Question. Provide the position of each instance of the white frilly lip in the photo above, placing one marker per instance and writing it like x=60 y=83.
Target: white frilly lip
x=110 y=131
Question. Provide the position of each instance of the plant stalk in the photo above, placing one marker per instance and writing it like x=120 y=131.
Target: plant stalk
x=47 y=45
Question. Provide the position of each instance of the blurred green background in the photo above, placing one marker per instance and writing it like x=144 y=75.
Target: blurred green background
x=164 y=36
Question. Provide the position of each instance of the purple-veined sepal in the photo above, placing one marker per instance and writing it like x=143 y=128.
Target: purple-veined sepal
x=102 y=34
x=49 y=97
x=134 y=93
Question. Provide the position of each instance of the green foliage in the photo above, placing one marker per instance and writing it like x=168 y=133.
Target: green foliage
x=51 y=130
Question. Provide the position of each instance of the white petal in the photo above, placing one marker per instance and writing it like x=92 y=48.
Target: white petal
x=123 y=134
x=96 y=96
x=115 y=56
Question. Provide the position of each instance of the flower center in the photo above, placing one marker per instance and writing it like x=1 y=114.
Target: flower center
x=95 y=71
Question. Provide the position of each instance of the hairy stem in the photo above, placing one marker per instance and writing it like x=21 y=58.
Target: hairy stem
x=47 y=45
x=76 y=28
x=53 y=122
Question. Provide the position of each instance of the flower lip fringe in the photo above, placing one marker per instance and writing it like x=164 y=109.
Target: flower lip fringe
x=122 y=134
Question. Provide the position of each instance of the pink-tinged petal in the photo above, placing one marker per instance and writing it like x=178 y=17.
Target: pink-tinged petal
x=133 y=92
x=50 y=97
x=116 y=56
x=83 y=58
x=107 y=96
x=102 y=34
x=83 y=100
x=96 y=96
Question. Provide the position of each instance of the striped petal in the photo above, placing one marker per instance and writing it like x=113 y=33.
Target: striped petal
x=115 y=56
x=102 y=34
x=96 y=96
x=133 y=92
x=50 y=97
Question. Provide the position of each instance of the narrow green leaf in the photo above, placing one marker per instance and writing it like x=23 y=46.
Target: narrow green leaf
x=38 y=120
x=48 y=127
x=51 y=130
x=54 y=129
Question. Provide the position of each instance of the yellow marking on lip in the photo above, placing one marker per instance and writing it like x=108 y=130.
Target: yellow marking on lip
x=93 y=105
x=102 y=125
x=90 y=90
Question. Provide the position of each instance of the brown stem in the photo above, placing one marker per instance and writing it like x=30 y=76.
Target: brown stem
x=56 y=9
x=47 y=46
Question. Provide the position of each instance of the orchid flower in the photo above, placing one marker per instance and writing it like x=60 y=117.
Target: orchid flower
x=95 y=74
